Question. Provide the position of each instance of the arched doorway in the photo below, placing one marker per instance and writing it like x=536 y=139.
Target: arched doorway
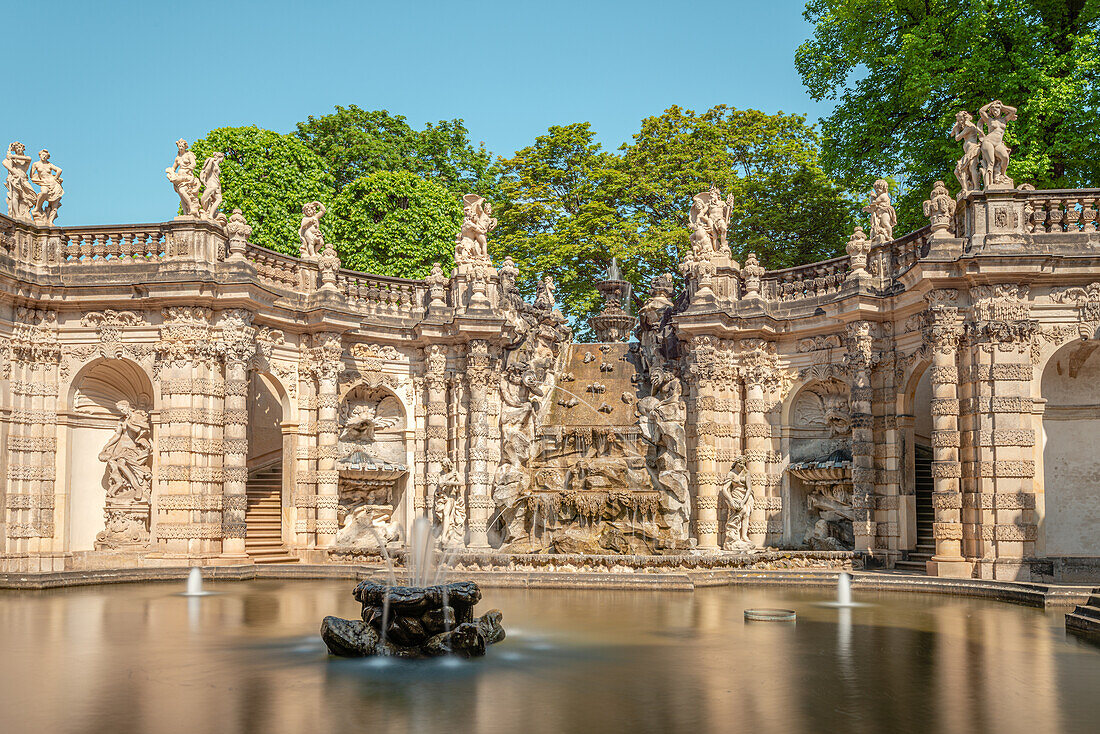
x=97 y=393
x=916 y=510
x=265 y=518
x=1069 y=506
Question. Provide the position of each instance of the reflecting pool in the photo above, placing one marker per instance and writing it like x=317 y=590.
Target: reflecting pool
x=142 y=658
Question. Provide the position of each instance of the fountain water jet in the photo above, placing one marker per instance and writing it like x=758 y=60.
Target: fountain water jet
x=194 y=583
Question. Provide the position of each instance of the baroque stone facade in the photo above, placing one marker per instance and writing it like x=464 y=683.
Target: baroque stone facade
x=201 y=398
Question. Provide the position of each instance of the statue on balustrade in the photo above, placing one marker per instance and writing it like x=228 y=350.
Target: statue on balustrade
x=968 y=167
x=21 y=195
x=182 y=176
x=710 y=216
x=211 y=178
x=312 y=241
x=471 y=245
x=48 y=178
x=129 y=457
x=735 y=493
x=449 y=506
x=883 y=216
x=995 y=154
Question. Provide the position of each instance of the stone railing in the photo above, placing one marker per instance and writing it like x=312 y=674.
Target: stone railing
x=804 y=281
x=1061 y=210
x=128 y=243
x=905 y=251
x=280 y=270
x=383 y=294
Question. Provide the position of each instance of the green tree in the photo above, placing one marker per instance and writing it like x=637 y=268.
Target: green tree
x=268 y=176
x=356 y=142
x=901 y=69
x=394 y=223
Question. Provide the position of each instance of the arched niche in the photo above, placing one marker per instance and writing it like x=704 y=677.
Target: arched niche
x=93 y=414
x=1071 y=464
x=268 y=405
x=818 y=419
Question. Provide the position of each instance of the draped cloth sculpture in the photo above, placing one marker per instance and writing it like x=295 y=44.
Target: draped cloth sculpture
x=449 y=506
x=21 y=195
x=984 y=151
x=661 y=420
x=129 y=457
x=471 y=245
x=182 y=176
x=735 y=493
x=48 y=178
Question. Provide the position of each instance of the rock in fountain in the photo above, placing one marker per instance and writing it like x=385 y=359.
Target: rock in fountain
x=414 y=622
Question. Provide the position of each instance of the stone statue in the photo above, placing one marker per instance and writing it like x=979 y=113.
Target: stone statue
x=710 y=217
x=735 y=493
x=211 y=178
x=182 y=176
x=830 y=507
x=471 y=245
x=653 y=331
x=449 y=506
x=312 y=241
x=967 y=169
x=367 y=520
x=520 y=392
x=940 y=210
x=21 y=195
x=362 y=421
x=129 y=456
x=48 y=178
x=883 y=216
x=661 y=420
x=544 y=294
x=995 y=116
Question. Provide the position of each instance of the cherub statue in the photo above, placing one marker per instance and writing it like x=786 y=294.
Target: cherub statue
x=313 y=242
x=709 y=219
x=21 y=195
x=883 y=216
x=966 y=170
x=182 y=176
x=738 y=499
x=48 y=178
x=995 y=116
x=471 y=245
x=211 y=178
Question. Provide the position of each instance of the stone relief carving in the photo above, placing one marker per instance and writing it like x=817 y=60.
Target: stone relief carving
x=883 y=216
x=824 y=404
x=181 y=174
x=471 y=245
x=813 y=344
x=309 y=232
x=735 y=493
x=1087 y=300
x=661 y=417
x=129 y=459
x=110 y=325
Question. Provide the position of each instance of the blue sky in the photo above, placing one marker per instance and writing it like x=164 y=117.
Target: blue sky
x=108 y=87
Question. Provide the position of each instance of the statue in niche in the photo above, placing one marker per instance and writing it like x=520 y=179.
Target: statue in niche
x=211 y=179
x=21 y=195
x=312 y=241
x=995 y=154
x=449 y=506
x=661 y=420
x=129 y=457
x=182 y=177
x=366 y=517
x=471 y=245
x=967 y=169
x=735 y=494
x=521 y=392
x=940 y=210
x=883 y=216
x=831 y=505
x=709 y=218
x=48 y=178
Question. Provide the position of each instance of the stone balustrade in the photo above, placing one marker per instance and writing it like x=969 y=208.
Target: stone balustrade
x=129 y=243
x=804 y=281
x=1060 y=210
x=382 y=294
x=277 y=269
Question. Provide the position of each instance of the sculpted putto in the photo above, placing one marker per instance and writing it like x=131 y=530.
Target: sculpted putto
x=182 y=176
x=471 y=245
x=312 y=241
x=883 y=216
x=710 y=216
x=735 y=494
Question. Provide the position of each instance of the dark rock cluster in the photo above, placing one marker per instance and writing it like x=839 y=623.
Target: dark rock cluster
x=414 y=622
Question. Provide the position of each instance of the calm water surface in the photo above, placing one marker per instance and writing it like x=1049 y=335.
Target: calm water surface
x=133 y=658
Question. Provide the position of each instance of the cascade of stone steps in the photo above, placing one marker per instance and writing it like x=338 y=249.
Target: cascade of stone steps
x=926 y=542
x=263 y=540
x=1085 y=618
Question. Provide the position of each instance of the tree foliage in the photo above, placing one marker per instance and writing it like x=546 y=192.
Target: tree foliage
x=570 y=206
x=901 y=69
x=268 y=176
x=395 y=223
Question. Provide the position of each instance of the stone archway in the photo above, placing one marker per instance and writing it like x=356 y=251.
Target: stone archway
x=270 y=461
x=1069 y=504
x=92 y=422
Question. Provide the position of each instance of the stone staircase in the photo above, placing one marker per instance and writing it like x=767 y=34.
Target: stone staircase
x=917 y=558
x=1085 y=618
x=263 y=541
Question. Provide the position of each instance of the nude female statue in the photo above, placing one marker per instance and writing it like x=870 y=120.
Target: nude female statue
x=211 y=178
x=182 y=176
x=21 y=195
x=996 y=115
x=966 y=170
x=48 y=178
x=736 y=495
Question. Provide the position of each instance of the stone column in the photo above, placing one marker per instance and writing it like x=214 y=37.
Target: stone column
x=702 y=391
x=435 y=381
x=860 y=361
x=758 y=445
x=477 y=377
x=942 y=334
x=240 y=346
x=328 y=367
